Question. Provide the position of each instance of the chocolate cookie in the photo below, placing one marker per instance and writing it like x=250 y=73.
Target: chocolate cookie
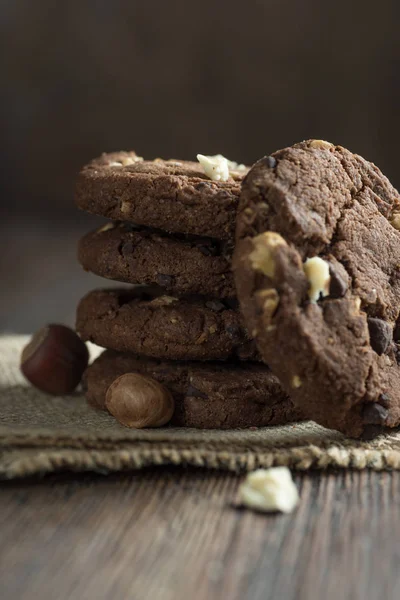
x=145 y=322
x=173 y=195
x=317 y=273
x=207 y=395
x=181 y=264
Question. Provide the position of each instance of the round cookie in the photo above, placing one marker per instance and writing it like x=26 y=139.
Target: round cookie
x=181 y=264
x=173 y=195
x=327 y=327
x=145 y=322
x=207 y=395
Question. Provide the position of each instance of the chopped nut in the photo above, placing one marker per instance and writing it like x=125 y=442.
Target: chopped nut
x=202 y=338
x=395 y=220
x=125 y=207
x=317 y=271
x=265 y=245
x=268 y=300
x=357 y=304
x=321 y=144
x=212 y=329
x=269 y=490
x=106 y=227
x=296 y=381
x=163 y=300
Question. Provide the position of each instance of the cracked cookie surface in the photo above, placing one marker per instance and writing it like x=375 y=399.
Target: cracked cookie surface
x=173 y=195
x=207 y=395
x=181 y=264
x=326 y=326
x=147 y=322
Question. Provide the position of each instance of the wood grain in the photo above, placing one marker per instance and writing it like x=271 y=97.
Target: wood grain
x=174 y=535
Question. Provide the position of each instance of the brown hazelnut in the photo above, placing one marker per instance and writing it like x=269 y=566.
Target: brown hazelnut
x=139 y=401
x=54 y=360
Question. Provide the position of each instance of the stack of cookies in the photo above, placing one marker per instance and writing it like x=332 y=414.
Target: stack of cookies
x=170 y=234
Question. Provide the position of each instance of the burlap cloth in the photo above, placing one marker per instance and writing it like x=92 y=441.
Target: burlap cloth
x=41 y=434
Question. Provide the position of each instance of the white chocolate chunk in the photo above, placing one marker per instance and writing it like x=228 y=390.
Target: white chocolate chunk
x=215 y=167
x=317 y=272
x=269 y=490
x=234 y=166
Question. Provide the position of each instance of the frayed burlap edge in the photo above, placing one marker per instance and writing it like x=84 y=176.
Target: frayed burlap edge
x=24 y=463
x=40 y=435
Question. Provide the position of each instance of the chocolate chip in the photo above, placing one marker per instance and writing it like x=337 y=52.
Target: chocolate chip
x=397 y=353
x=374 y=414
x=164 y=280
x=396 y=332
x=370 y=432
x=207 y=247
x=233 y=331
x=232 y=303
x=215 y=305
x=380 y=334
x=270 y=161
x=129 y=226
x=192 y=391
x=127 y=248
x=337 y=284
x=384 y=399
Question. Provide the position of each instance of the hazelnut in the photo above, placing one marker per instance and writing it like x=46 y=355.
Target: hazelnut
x=54 y=360
x=139 y=401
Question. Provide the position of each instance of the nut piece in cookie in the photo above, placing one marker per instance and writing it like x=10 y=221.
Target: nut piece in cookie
x=320 y=226
x=262 y=257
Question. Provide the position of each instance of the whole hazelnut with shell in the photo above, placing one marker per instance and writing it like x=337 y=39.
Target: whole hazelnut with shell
x=139 y=401
x=54 y=360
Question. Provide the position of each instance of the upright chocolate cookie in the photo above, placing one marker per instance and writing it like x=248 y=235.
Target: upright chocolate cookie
x=145 y=322
x=173 y=195
x=317 y=273
x=181 y=264
x=207 y=395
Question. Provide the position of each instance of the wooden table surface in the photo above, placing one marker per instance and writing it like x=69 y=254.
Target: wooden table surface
x=174 y=533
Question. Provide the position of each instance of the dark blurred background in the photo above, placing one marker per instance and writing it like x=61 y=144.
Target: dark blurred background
x=170 y=79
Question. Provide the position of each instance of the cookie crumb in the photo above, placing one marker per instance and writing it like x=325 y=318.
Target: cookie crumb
x=269 y=490
x=317 y=271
